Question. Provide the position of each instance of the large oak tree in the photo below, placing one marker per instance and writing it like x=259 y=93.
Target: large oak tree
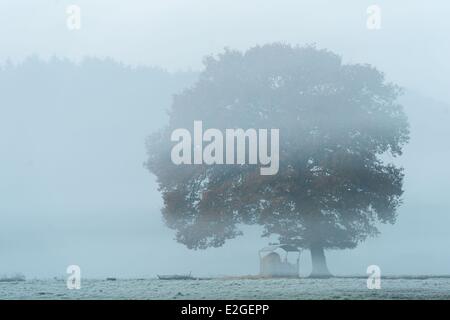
x=337 y=123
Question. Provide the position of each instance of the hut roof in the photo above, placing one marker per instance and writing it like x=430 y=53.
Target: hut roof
x=285 y=247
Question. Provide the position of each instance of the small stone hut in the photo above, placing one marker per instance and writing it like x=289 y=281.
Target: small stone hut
x=274 y=261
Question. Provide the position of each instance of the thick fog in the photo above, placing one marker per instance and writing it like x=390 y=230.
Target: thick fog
x=77 y=105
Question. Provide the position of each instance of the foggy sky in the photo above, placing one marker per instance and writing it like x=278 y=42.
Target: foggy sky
x=69 y=198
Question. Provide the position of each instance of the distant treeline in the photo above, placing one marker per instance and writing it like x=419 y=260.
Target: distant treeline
x=93 y=87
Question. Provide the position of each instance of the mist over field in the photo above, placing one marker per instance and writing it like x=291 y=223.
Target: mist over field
x=75 y=189
x=76 y=108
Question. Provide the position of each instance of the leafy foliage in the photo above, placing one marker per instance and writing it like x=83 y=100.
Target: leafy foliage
x=336 y=123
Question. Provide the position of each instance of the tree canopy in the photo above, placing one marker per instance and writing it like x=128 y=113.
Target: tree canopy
x=337 y=122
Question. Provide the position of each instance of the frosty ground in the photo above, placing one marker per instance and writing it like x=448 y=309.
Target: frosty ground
x=303 y=288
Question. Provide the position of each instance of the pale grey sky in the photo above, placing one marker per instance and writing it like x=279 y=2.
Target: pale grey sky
x=176 y=34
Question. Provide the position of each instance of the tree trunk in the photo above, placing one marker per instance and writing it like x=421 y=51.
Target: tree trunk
x=319 y=262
